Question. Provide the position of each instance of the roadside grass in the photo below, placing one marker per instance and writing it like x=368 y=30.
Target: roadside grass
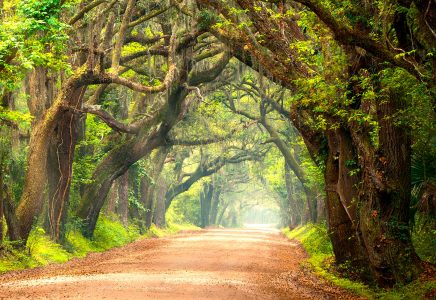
x=170 y=229
x=40 y=250
x=316 y=242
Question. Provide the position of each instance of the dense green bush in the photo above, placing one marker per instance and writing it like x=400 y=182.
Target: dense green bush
x=41 y=250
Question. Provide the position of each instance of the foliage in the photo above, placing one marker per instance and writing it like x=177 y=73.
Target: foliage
x=109 y=234
x=186 y=207
x=424 y=237
x=40 y=251
x=32 y=35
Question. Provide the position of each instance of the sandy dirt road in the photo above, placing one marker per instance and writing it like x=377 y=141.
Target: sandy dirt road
x=208 y=264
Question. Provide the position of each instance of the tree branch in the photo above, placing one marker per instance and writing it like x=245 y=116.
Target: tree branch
x=349 y=36
x=216 y=139
x=110 y=120
x=84 y=10
x=151 y=15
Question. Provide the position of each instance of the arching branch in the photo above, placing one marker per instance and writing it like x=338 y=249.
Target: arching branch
x=84 y=10
x=349 y=36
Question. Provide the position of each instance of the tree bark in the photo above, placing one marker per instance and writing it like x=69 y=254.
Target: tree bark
x=341 y=210
x=160 y=209
x=115 y=164
x=112 y=199
x=205 y=204
x=41 y=90
x=32 y=198
x=214 y=205
x=60 y=167
x=385 y=199
x=123 y=198
x=148 y=188
x=2 y=201
x=221 y=214
x=293 y=214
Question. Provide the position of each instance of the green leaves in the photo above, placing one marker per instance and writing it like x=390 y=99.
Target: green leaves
x=39 y=10
x=19 y=118
x=206 y=19
x=31 y=35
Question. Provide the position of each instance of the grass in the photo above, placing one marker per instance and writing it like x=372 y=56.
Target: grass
x=39 y=251
x=169 y=230
x=109 y=233
x=174 y=225
x=316 y=242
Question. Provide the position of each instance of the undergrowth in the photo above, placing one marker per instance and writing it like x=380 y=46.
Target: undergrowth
x=40 y=250
x=317 y=244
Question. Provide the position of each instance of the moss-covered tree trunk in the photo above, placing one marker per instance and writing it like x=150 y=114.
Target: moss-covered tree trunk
x=112 y=199
x=145 y=199
x=214 y=206
x=2 y=201
x=148 y=197
x=123 y=198
x=384 y=214
x=120 y=158
x=31 y=200
x=160 y=208
x=293 y=218
x=115 y=164
x=205 y=204
x=60 y=168
x=342 y=201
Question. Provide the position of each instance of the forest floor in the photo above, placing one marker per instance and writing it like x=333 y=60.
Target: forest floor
x=208 y=264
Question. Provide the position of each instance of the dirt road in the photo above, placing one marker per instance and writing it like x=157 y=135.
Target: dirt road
x=209 y=264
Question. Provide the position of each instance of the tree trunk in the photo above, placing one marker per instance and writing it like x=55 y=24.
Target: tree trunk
x=2 y=201
x=291 y=207
x=341 y=201
x=41 y=91
x=221 y=215
x=160 y=209
x=60 y=167
x=311 y=206
x=123 y=198
x=214 y=206
x=118 y=160
x=147 y=196
x=112 y=199
x=115 y=164
x=205 y=204
x=321 y=208
x=146 y=201
x=8 y=208
x=311 y=211
x=385 y=199
x=32 y=198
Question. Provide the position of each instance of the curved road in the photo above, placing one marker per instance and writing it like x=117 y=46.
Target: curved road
x=207 y=264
